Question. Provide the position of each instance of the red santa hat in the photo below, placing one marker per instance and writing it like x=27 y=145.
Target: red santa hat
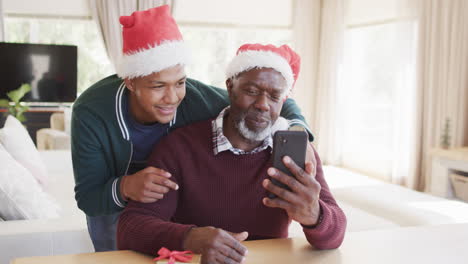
x=151 y=42
x=282 y=59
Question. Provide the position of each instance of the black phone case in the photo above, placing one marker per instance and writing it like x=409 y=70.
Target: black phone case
x=292 y=144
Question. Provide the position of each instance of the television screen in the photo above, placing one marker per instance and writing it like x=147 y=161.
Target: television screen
x=51 y=71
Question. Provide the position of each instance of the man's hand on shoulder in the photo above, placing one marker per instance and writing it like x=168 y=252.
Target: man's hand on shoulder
x=216 y=245
x=147 y=186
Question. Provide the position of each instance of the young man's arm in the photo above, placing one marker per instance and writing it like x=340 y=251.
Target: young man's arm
x=97 y=191
x=292 y=113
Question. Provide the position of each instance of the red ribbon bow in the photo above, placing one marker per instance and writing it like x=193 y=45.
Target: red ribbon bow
x=174 y=256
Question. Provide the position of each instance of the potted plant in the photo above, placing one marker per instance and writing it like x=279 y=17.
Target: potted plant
x=16 y=109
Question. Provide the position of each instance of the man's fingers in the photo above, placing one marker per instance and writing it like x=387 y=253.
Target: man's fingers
x=315 y=185
x=231 y=253
x=293 y=183
x=148 y=200
x=157 y=171
x=164 y=182
x=300 y=174
x=233 y=242
x=239 y=236
x=279 y=191
x=277 y=203
x=310 y=169
x=155 y=188
x=153 y=195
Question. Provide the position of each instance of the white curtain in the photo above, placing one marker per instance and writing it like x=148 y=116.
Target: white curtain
x=443 y=81
x=328 y=79
x=107 y=13
x=146 y=4
x=2 y=27
x=306 y=36
x=318 y=34
x=440 y=76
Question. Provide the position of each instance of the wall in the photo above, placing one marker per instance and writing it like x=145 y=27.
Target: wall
x=239 y=12
x=47 y=7
x=1 y=21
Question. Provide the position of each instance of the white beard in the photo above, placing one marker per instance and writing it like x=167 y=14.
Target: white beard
x=251 y=135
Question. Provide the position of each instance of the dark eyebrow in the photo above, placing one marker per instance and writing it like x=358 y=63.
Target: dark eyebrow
x=160 y=82
x=254 y=84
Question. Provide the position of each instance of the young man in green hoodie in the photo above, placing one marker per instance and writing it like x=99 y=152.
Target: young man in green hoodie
x=118 y=120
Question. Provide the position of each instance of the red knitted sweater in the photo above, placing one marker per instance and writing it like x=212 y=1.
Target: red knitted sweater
x=223 y=191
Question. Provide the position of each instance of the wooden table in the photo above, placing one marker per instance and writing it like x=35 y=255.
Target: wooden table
x=431 y=244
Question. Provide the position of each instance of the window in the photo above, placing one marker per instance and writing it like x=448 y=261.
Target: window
x=93 y=63
x=213 y=47
x=214 y=30
x=376 y=98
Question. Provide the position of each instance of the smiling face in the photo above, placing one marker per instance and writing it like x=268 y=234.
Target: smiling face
x=155 y=98
x=256 y=98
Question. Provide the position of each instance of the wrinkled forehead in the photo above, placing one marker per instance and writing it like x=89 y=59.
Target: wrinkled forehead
x=265 y=78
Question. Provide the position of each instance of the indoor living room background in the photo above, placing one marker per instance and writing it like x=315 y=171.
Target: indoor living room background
x=383 y=87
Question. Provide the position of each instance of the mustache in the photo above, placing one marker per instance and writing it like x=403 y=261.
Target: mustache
x=256 y=116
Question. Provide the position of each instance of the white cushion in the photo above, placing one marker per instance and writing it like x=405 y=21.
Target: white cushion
x=61 y=181
x=21 y=196
x=16 y=140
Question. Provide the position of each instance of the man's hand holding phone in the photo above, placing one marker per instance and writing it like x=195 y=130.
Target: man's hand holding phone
x=301 y=200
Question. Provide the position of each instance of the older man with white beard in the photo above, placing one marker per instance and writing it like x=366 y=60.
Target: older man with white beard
x=222 y=167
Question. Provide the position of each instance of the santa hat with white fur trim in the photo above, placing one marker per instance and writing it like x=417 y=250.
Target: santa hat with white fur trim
x=282 y=59
x=152 y=42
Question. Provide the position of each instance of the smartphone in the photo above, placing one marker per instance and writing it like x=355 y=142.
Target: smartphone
x=292 y=144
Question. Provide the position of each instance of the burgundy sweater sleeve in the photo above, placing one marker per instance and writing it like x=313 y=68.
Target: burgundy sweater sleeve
x=146 y=227
x=329 y=233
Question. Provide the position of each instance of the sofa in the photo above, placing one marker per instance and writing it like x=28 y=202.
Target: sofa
x=57 y=136
x=66 y=234
x=369 y=204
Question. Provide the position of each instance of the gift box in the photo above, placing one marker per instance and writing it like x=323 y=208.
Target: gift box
x=194 y=260
x=176 y=257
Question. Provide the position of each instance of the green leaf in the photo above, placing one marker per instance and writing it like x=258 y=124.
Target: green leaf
x=21 y=118
x=4 y=103
x=19 y=93
x=20 y=110
x=12 y=110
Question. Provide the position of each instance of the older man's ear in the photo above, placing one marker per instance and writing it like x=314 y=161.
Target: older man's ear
x=229 y=85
